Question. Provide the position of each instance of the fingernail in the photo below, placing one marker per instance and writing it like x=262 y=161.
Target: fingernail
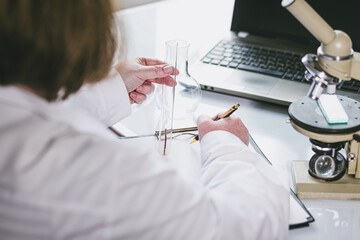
x=167 y=69
x=140 y=89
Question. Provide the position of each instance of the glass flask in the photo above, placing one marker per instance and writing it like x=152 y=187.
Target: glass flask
x=187 y=90
x=175 y=104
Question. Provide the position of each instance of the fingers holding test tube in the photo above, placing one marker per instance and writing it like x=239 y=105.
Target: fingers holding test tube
x=140 y=74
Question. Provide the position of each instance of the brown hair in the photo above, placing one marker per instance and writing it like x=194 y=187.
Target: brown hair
x=52 y=45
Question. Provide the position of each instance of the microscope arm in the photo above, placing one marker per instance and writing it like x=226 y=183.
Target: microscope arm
x=335 y=55
x=355 y=66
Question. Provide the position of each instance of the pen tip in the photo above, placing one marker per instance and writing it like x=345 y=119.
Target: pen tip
x=194 y=140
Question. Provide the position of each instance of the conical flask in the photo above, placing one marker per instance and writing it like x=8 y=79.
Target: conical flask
x=187 y=90
x=175 y=105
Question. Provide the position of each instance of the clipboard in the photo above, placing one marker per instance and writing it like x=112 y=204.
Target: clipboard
x=299 y=214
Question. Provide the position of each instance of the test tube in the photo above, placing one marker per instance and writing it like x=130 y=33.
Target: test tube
x=164 y=121
x=166 y=101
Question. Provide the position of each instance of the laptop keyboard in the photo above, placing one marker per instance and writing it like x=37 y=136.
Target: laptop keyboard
x=285 y=65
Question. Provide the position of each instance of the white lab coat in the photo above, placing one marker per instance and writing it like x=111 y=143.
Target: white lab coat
x=64 y=176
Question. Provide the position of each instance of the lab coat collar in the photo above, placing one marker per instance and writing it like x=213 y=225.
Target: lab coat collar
x=21 y=98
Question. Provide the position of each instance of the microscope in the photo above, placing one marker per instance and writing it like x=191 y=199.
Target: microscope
x=335 y=166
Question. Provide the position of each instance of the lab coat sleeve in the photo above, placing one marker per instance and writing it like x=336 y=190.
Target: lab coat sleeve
x=250 y=196
x=239 y=195
x=120 y=190
x=107 y=100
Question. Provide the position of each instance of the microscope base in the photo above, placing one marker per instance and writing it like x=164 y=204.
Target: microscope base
x=307 y=187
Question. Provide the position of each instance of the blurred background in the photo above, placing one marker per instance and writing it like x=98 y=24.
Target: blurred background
x=131 y=3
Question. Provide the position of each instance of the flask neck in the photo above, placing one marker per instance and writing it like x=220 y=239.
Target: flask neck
x=177 y=55
x=183 y=68
x=182 y=63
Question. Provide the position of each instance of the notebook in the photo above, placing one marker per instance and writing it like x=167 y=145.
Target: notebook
x=262 y=58
x=299 y=214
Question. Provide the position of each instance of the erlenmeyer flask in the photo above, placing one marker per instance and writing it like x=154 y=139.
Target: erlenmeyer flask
x=187 y=90
x=178 y=102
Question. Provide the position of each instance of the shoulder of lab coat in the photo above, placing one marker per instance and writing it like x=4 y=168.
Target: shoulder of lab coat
x=107 y=100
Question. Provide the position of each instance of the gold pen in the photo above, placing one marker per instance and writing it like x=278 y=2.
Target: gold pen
x=225 y=115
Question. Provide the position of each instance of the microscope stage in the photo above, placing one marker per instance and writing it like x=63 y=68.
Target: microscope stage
x=306 y=113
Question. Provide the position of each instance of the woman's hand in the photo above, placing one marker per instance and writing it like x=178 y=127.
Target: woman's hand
x=231 y=124
x=140 y=73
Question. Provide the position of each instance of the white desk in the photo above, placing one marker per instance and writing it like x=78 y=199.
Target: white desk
x=203 y=23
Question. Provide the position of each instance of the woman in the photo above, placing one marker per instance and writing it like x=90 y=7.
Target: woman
x=64 y=176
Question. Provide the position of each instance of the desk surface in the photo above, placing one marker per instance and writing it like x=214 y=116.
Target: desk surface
x=203 y=23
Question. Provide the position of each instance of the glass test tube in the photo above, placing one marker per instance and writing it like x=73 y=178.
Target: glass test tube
x=166 y=100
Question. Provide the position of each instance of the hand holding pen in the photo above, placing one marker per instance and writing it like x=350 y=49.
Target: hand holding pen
x=225 y=115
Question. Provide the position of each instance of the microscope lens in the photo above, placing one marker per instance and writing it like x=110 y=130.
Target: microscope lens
x=325 y=166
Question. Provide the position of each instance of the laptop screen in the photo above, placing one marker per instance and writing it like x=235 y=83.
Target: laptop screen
x=268 y=18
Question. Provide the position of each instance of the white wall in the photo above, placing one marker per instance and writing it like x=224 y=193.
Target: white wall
x=130 y=3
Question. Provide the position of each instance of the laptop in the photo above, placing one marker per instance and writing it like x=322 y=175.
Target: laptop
x=262 y=58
